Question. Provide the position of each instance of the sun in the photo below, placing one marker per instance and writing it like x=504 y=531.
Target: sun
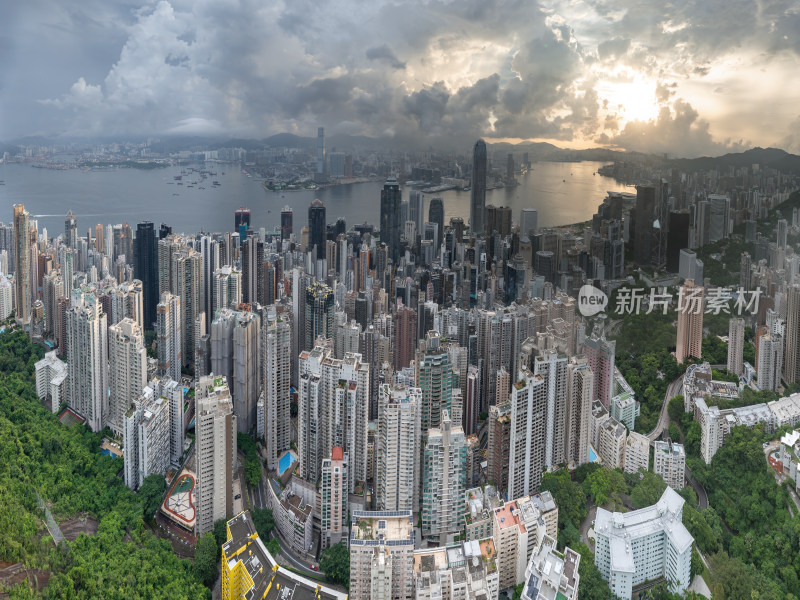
x=634 y=100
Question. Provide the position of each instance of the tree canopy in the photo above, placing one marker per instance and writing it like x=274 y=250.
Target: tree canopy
x=335 y=563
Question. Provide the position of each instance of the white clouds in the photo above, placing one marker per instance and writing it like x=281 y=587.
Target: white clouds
x=436 y=71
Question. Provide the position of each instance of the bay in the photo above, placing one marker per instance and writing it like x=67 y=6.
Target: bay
x=562 y=192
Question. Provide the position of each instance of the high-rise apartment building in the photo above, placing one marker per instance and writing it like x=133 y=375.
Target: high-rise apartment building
x=127 y=369
x=552 y=574
x=146 y=437
x=399 y=443
x=499 y=445
x=435 y=378
x=769 y=360
x=87 y=348
x=215 y=426
x=277 y=346
x=600 y=354
x=235 y=354
x=735 y=346
x=791 y=362
x=22 y=264
x=528 y=436
x=580 y=392
x=333 y=491
x=169 y=324
x=443 y=480
x=669 y=461
x=690 y=321
x=477 y=205
x=382 y=555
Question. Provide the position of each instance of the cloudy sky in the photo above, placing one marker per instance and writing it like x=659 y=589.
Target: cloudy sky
x=686 y=78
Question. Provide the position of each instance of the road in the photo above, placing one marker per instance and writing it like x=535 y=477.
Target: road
x=673 y=389
x=702 y=497
x=587 y=525
x=298 y=564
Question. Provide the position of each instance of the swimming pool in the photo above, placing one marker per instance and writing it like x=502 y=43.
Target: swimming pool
x=592 y=455
x=285 y=462
x=107 y=452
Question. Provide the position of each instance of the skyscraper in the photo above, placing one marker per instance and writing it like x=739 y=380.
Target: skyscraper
x=791 y=363
x=317 y=228
x=416 y=209
x=333 y=491
x=735 y=346
x=22 y=265
x=70 y=230
x=277 y=341
x=444 y=480
x=600 y=354
x=528 y=222
x=398 y=448
x=436 y=215
x=526 y=462
x=145 y=269
x=287 y=216
x=319 y=311
x=127 y=369
x=690 y=321
x=477 y=206
x=169 y=322
x=645 y=207
x=390 y=226
x=87 y=348
x=215 y=425
x=241 y=221
x=319 y=176
x=769 y=360
x=435 y=377
x=252 y=254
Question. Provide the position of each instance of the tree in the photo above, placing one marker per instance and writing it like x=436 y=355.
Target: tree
x=220 y=533
x=586 y=469
x=263 y=522
x=335 y=563
x=675 y=408
x=518 y=591
x=274 y=547
x=648 y=491
x=205 y=559
x=151 y=492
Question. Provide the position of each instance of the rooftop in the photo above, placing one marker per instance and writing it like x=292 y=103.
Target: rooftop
x=389 y=526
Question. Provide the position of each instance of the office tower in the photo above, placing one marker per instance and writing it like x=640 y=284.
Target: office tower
x=87 y=348
x=22 y=265
x=782 y=232
x=719 y=213
x=318 y=313
x=643 y=223
x=277 y=341
x=215 y=427
x=769 y=360
x=127 y=369
x=435 y=378
x=287 y=216
x=145 y=269
x=644 y=545
x=145 y=428
x=235 y=345
x=241 y=221
x=677 y=238
x=382 y=555
x=398 y=449
x=580 y=393
x=436 y=215
x=416 y=208
x=600 y=354
x=791 y=363
x=669 y=461
x=477 y=206
x=690 y=321
x=735 y=345
x=444 y=480
x=70 y=230
x=252 y=256
x=528 y=438
x=333 y=492
x=390 y=225
x=317 y=228
x=552 y=574
x=515 y=276
x=528 y=222
x=169 y=323
x=497 y=220
x=544 y=264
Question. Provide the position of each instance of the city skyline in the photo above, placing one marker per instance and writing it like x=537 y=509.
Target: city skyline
x=651 y=78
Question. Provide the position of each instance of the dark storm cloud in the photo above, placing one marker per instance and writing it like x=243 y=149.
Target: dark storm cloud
x=432 y=71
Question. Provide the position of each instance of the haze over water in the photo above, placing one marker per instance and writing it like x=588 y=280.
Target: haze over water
x=563 y=193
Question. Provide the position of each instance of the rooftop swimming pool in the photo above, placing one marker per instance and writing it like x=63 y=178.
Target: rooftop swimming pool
x=285 y=461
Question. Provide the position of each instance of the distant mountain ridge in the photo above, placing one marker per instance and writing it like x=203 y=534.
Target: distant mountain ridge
x=764 y=157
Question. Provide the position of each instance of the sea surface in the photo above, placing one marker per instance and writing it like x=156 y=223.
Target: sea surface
x=563 y=193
